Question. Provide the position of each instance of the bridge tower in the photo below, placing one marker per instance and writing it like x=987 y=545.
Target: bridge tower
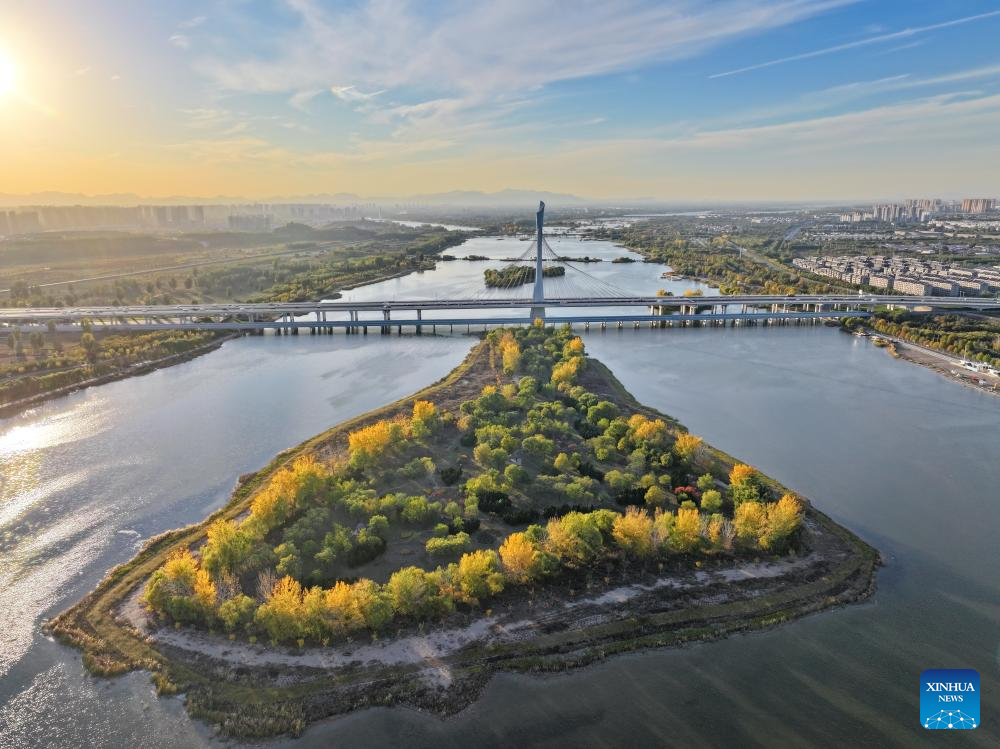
x=538 y=297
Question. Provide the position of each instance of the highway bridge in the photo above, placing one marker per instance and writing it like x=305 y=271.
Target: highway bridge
x=602 y=306
x=358 y=316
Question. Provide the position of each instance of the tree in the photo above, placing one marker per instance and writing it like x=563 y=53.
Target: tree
x=685 y=535
x=655 y=496
x=750 y=521
x=516 y=475
x=745 y=484
x=711 y=501
x=417 y=511
x=91 y=347
x=448 y=546
x=619 y=481
x=706 y=482
x=510 y=352
x=478 y=575
x=783 y=518
x=565 y=372
x=373 y=604
x=687 y=446
x=633 y=532
x=426 y=419
x=281 y=616
x=538 y=447
x=410 y=591
x=237 y=612
x=368 y=443
x=226 y=548
x=574 y=538
x=563 y=463
x=520 y=558
x=573 y=347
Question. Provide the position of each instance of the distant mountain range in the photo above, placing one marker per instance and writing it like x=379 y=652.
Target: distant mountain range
x=470 y=198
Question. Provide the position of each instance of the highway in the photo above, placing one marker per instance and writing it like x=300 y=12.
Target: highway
x=294 y=309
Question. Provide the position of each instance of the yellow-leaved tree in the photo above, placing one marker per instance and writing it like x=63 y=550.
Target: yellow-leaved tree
x=750 y=520
x=633 y=532
x=282 y=616
x=687 y=446
x=426 y=419
x=685 y=536
x=520 y=558
x=783 y=518
x=510 y=353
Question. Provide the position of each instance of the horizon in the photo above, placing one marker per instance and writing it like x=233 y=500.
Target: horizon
x=741 y=101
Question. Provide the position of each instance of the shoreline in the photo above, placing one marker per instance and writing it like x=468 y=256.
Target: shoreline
x=15 y=408
x=937 y=361
x=250 y=690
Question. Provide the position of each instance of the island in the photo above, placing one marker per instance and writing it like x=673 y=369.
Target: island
x=518 y=275
x=524 y=514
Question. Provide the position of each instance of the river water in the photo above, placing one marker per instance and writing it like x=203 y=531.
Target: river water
x=904 y=457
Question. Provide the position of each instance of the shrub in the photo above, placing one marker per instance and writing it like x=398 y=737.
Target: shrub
x=711 y=501
x=448 y=546
x=451 y=474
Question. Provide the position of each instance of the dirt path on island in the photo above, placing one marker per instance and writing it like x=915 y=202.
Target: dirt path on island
x=432 y=648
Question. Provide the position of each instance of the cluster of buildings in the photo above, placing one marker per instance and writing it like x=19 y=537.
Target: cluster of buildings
x=249 y=217
x=904 y=275
x=919 y=210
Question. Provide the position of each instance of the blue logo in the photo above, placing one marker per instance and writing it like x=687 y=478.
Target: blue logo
x=949 y=698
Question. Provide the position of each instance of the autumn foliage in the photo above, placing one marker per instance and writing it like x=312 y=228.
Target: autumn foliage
x=547 y=457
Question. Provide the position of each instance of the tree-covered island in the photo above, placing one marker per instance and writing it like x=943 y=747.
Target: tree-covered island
x=525 y=513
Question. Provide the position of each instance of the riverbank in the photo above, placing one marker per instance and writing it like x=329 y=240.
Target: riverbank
x=23 y=404
x=139 y=368
x=250 y=690
x=944 y=364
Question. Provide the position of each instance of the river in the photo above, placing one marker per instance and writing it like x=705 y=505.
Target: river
x=904 y=457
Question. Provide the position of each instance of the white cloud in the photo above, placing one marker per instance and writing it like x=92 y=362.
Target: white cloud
x=493 y=48
x=182 y=41
x=476 y=62
x=192 y=23
x=935 y=119
x=894 y=36
x=300 y=99
x=350 y=93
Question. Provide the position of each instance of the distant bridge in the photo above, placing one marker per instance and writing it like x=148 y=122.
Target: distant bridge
x=600 y=304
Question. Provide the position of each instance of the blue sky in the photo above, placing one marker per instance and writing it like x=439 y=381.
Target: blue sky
x=731 y=99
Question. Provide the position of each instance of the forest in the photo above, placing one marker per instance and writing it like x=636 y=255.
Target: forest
x=455 y=504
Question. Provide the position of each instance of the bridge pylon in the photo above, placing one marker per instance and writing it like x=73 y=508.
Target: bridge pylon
x=538 y=296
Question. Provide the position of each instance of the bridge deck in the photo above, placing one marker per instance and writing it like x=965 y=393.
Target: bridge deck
x=186 y=311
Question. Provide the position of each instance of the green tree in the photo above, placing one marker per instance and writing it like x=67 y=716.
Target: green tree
x=91 y=347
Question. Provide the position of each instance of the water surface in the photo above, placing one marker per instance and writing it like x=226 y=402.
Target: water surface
x=906 y=458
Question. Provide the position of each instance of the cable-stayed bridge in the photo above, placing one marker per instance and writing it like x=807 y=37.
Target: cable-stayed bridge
x=561 y=292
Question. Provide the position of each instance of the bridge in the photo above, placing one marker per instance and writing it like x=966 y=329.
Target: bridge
x=598 y=304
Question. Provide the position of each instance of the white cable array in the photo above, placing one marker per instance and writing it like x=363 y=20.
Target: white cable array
x=576 y=283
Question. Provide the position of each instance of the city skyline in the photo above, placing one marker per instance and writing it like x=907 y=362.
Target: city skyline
x=799 y=100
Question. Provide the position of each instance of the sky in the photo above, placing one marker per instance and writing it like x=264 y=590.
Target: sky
x=676 y=99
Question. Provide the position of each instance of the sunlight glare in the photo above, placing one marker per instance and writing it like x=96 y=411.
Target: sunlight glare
x=7 y=73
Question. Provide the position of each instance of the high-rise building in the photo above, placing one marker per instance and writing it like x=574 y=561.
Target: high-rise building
x=978 y=205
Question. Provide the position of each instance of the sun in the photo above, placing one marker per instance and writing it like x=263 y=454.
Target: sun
x=8 y=74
